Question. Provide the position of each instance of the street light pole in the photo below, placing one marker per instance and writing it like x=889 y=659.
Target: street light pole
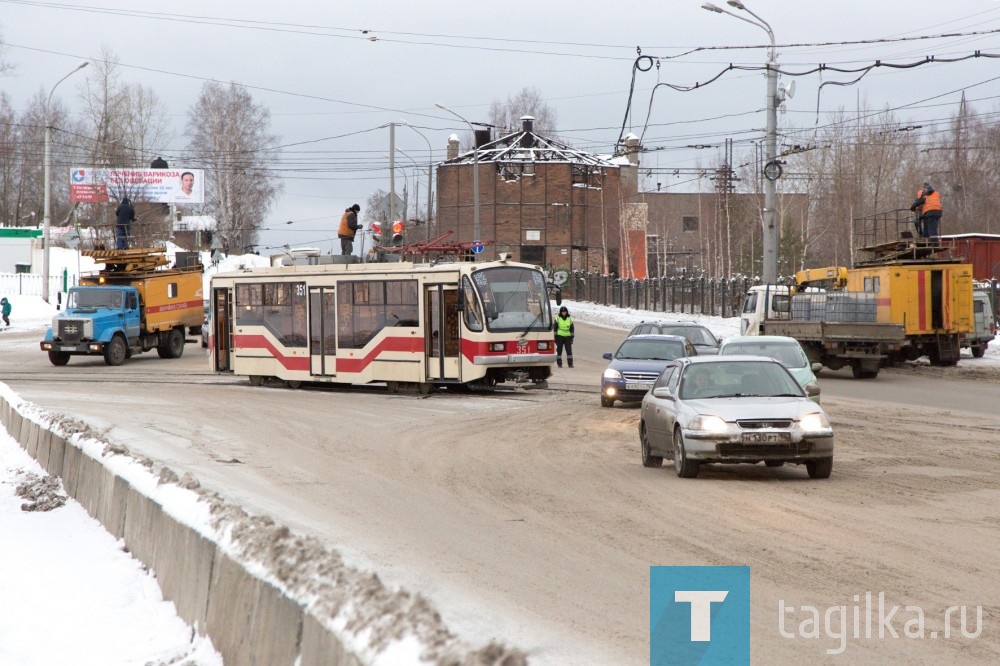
x=46 y=167
x=770 y=228
x=475 y=172
x=430 y=172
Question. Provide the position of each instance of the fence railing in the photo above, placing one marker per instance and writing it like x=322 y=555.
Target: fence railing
x=717 y=297
x=30 y=284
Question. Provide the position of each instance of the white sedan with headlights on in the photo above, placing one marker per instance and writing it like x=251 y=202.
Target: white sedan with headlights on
x=733 y=409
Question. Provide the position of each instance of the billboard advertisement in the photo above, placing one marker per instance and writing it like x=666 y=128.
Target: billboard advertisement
x=185 y=186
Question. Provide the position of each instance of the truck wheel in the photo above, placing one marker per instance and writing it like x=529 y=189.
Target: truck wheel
x=860 y=371
x=58 y=358
x=978 y=350
x=175 y=344
x=115 y=351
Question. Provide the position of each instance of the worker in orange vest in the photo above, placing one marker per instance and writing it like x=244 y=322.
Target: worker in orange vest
x=348 y=228
x=927 y=206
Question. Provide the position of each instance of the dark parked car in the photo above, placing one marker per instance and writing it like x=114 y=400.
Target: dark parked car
x=733 y=409
x=638 y=362
x=701 y=337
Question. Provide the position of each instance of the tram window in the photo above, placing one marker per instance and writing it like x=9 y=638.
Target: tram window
x=473 y=314
x=249 y=302
x=401 y=303
x=280 y=307
x=365 y=307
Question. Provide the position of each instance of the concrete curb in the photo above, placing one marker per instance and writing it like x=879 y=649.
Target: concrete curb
x=249 y=620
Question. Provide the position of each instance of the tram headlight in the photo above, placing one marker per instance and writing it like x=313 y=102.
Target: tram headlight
x=498 y=346
x=544 y=345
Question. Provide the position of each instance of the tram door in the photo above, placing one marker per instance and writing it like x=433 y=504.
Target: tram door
x=441 y=332
x=323 y=330
x=221 y=330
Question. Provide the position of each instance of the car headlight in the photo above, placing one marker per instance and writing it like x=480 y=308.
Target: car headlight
x=814 y=421
x=708 y=424
x=611 y=373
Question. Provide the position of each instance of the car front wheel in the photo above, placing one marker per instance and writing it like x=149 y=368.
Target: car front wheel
x=648 y=459
x=820 y=469
x=686 y=468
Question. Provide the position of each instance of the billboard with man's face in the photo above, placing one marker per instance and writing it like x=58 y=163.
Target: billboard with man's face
x=154 y=185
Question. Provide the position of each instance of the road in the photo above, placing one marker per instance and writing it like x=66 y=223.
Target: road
x=527 y=516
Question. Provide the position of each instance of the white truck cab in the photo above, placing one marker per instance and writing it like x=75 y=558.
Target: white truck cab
x=765 y=301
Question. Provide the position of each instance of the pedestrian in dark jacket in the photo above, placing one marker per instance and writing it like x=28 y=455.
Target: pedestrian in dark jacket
x=348 y=228
x=563 y=328
x=124 y=216
x=5 y=310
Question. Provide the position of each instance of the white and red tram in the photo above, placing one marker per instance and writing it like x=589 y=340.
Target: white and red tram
x=460 y=323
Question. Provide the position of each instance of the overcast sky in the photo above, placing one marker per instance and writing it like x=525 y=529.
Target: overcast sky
x=333 y=74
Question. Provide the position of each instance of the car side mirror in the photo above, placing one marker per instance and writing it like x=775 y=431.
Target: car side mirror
x=816 y=367
x=812 y=389
x=608 y=356
x=663 y=392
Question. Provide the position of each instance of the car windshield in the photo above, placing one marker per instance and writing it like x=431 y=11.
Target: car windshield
x=696 y=334
x=789 y=355
x=650 y=350
x=737 y=379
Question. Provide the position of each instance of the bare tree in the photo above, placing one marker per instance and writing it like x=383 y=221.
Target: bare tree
x=124 y=124
x=230 y=135
x=506 y=116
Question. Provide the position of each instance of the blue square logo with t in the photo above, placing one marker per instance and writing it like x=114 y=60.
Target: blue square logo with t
x=699 y=615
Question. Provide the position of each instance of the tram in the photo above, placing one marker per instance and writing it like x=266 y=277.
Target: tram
x=463 y=324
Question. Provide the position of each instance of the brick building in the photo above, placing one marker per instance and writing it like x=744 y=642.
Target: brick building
x=540 y=200
x=549 y=204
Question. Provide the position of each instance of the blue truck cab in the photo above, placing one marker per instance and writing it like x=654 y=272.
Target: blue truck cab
x=102 y=320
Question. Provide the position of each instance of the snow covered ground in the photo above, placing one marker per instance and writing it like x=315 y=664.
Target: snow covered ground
x=70 y=592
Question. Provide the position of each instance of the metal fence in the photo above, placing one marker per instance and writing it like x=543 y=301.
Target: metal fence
x=30 y=284
x=682 y=295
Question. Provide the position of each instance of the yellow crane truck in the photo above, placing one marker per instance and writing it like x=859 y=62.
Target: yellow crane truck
x=134 y=304
x=903 y=298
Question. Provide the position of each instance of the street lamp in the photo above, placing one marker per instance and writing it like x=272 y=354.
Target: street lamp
x=47 y=221
x=416 y=185
x=770 y=231
x=430 y=171
x=475 y=172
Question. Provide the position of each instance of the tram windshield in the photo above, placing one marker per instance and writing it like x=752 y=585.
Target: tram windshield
x=514 y=298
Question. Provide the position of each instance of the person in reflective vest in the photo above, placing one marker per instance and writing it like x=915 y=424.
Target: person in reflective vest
x=348 y=228
x=563 y=328
x=927 y=206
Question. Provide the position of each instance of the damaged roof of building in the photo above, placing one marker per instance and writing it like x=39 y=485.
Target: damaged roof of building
x=527 y=146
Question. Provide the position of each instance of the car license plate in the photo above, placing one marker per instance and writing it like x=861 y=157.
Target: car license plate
x=67 y=349
x=767 y=438
x=639 y=386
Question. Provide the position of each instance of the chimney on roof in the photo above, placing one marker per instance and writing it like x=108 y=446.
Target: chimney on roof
x=452 y=146
x=527 y=125
x=483 y=137
x=632 y=148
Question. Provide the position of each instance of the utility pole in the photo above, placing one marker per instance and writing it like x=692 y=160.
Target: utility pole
x=772 y=169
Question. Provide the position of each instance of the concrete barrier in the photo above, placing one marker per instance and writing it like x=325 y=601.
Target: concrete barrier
x=254 y=613
x=249 y=620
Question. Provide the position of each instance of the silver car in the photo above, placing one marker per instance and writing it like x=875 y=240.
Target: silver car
x=733 y=409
